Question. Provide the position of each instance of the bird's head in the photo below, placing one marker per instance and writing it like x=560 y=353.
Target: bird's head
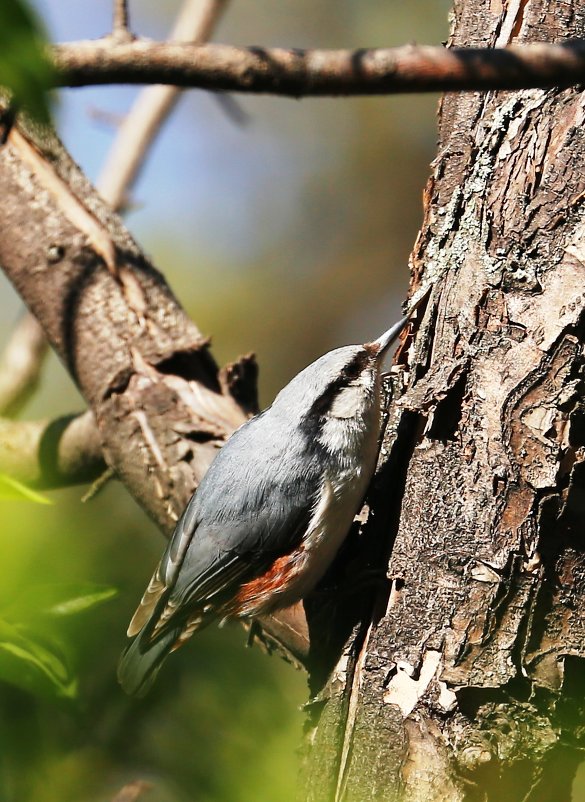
x=343 y=383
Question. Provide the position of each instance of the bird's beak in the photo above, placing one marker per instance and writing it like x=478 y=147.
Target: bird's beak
x=381 y=345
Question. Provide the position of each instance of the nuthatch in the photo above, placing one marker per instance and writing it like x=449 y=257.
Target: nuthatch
x=272 y=510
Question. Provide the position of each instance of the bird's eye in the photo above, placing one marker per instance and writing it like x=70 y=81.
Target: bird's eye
x=353 y=370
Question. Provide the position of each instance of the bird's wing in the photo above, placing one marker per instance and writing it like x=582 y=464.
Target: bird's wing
x=209 y=576
x=241 y=519
x=252 y=507
x=163 y=578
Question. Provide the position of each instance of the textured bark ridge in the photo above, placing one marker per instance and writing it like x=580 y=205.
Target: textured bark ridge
x=161 y=405
x=466 y=679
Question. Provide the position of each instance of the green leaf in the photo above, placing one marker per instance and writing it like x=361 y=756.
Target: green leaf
x=33 y=665
x=30 y=653
x=81 y=598
x=25 y=70
x=60 y=600
x=13 y=489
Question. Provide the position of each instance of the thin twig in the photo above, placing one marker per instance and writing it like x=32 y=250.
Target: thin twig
x=132 y=791
x=121 y=21
x=20 y=365
x=302 y=73
x=98 y=485
x=195 y=23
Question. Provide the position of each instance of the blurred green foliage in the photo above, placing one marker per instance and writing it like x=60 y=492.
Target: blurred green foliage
x=25 y=661
x=223 y=719
x=24 y=69
x=33 y=652
x=13 y=489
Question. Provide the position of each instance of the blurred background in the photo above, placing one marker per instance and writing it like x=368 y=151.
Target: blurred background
x=286 y=236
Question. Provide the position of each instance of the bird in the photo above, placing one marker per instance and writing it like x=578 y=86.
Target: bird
x=272 y=510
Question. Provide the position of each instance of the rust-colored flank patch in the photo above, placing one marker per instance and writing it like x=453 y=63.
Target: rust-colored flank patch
x=257 y=592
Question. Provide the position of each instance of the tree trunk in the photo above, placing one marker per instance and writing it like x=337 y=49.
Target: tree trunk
x=461 y=677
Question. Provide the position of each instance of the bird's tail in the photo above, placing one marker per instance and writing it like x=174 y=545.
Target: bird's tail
x=142 y=659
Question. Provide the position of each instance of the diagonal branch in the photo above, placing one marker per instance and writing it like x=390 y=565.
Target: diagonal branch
x=195 y=23
x=20 y=365
x=116 y=325
x=47 y=453
x=301 y=73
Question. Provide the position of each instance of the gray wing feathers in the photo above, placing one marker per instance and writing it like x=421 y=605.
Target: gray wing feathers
x=252 y=502
x=142 y=660
x=252 y=506
x=152 y=596
x=164 y=576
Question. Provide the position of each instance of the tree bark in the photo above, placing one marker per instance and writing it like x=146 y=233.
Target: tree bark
x=161 y=405
x=463 y=677
x=52 y=453
x=308 y=73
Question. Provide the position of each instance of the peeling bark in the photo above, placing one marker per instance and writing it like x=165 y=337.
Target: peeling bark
x=466 y=677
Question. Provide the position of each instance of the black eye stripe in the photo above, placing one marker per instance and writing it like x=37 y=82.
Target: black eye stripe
x=323 y=403
x=348 y=373
x=355 y=367
x=352 y=371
